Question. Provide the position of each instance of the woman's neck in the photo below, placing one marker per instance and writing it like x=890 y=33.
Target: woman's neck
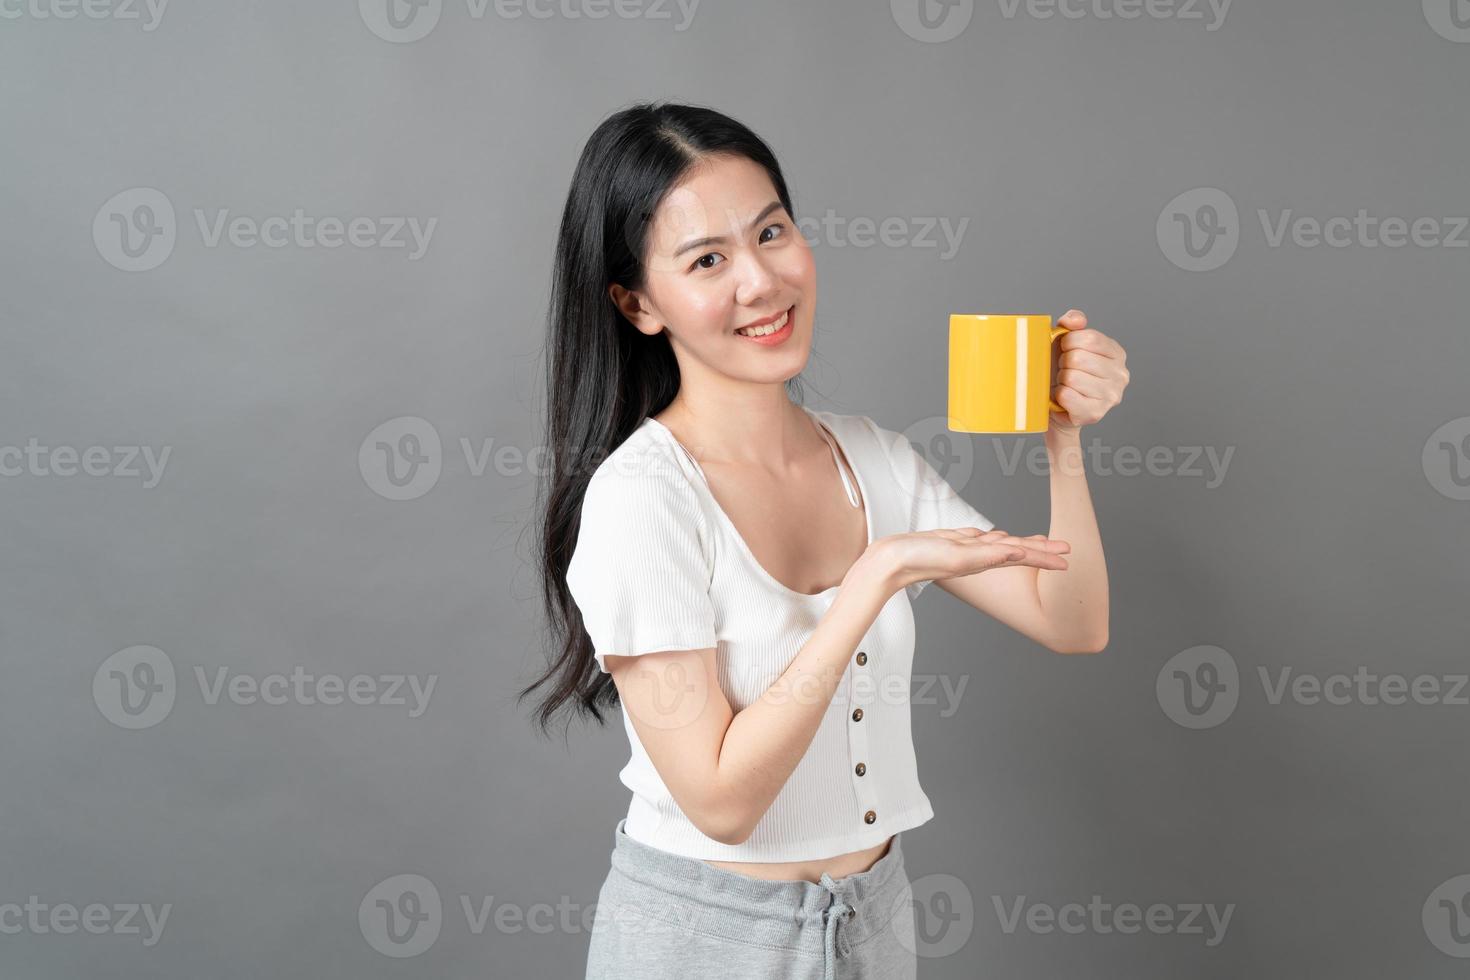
x=766 y=433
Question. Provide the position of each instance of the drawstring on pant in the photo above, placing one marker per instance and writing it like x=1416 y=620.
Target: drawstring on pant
x=837 y=910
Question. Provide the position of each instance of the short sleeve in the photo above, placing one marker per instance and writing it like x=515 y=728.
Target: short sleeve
x=930 y=501
x=639 y=573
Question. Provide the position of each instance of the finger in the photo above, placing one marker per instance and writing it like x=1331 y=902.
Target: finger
x=1081 y=408
x=1044 y=539
x=1006 y=549
x=997 y=532
x=1092 y=340
x=1037 y=541
x=957 y=533
x=1084 y=384
x=1054 y=563
x=1039 y=559
x=1073 y=320
x=997 y=536
x=1012 y=555
x=1088 y=362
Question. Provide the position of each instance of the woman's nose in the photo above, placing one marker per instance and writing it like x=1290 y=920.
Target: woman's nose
x=758 y=280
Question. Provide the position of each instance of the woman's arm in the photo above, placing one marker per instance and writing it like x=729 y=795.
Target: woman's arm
x=725 y=768
x=1063 y=610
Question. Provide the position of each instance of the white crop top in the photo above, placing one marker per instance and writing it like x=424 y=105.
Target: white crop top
x=659 y=566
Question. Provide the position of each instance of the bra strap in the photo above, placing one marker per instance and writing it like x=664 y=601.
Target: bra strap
x=841 y=471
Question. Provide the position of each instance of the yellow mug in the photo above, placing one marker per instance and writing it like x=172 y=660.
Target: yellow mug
x=1000 y=372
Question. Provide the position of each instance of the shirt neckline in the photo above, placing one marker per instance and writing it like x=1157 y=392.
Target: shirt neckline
x=735 y=532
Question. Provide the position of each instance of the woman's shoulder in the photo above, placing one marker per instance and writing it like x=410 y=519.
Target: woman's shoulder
x=646 y=469
x=861 y=433
x=843 y=423
x=889 y=455
x=640 y=501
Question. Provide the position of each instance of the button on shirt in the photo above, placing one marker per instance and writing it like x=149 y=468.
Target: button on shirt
x=659 y=566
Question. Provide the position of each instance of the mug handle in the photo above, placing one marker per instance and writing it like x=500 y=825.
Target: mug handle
x=1056 y=332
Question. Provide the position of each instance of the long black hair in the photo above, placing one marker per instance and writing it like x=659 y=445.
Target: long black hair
x=603 y=376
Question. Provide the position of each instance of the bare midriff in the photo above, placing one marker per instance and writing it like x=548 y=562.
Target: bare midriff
x=839 y=866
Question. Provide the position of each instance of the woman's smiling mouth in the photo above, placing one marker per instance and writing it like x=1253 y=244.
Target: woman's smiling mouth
x=773 y=330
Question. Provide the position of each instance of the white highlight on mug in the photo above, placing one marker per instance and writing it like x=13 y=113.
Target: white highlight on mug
x=1022 y=351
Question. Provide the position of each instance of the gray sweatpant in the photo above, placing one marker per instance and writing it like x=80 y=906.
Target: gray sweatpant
x=662 y=916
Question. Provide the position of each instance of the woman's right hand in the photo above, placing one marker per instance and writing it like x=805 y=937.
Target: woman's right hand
x=922 y=556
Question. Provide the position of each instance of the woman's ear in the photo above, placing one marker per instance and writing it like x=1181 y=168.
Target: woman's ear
x=631 y=306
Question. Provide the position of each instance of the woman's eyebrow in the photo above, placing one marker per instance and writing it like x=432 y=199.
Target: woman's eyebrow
x=717 y=239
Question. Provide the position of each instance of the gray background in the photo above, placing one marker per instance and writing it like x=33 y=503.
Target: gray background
x=1331 y=545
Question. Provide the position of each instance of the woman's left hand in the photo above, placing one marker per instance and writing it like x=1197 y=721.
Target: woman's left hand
x=1091 y=374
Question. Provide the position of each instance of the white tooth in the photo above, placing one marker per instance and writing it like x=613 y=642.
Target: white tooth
x=767 y=330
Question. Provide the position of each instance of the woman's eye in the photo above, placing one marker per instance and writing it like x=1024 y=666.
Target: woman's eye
x=710 y=259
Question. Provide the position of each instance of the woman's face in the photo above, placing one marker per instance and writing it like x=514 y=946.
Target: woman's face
x=723 y=256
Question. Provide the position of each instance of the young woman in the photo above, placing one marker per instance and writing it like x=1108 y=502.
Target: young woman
x=735 y=569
